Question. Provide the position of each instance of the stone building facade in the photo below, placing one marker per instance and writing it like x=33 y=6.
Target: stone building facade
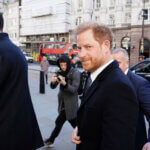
x=54 y=20
x=44 y=21
x=125 y=19
x=12 y=21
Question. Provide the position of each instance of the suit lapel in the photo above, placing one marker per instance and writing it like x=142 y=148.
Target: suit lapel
x=97 y=82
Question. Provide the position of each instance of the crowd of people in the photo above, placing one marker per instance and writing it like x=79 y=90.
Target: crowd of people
x=114 y=100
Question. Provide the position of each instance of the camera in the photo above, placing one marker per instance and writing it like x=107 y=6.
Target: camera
x=58 y=78
x=58 y=75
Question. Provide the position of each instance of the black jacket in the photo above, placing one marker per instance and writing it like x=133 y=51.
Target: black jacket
x=18 y=125
x=142 y=87
x=107 y=116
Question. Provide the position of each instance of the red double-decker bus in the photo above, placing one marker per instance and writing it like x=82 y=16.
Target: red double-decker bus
x=54 y=50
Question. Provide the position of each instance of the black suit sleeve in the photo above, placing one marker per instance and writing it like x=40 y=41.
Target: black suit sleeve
x=144 y=100
x=120 y=111
x=4 y=70
x=53 y=85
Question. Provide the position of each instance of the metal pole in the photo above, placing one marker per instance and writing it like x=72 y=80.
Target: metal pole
x=142 y=37
x=92 y=10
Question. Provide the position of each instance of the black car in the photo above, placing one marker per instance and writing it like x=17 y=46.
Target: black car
x=52 y=58
x=142 y=69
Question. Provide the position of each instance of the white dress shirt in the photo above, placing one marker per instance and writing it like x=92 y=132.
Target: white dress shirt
x=94 y=74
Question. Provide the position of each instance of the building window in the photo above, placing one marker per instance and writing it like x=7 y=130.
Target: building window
x=19 y=2
x=125 y=43
x=96 y=18
x=129 y=1
x=112 y=2
x=97 y=4
x=127 y=17
x=78 y=20
x=111 y=19
x=80 y=3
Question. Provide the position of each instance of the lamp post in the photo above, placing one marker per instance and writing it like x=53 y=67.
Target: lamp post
x=144 y=17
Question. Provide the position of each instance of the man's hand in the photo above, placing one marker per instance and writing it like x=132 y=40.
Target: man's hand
x=75 y=138
x=54 y=78
x=62 y=80
x=146 y=146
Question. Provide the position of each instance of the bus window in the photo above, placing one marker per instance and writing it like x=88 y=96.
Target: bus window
x=62 y=45
x=48 y=45
x=57 y=46
x=74 y=46
x=69 y=49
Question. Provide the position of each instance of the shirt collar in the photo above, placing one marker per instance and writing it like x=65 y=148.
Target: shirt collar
x=94 y=74
x=126 y=72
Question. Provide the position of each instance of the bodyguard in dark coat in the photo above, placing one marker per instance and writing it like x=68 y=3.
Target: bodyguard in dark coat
x=107 y=116
x=68 y=78
x=142 y=87
x=18 y=125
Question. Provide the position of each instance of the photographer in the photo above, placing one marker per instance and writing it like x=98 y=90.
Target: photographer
x=69 y=79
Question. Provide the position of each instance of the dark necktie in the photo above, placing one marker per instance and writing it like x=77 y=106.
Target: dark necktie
x=88 y=84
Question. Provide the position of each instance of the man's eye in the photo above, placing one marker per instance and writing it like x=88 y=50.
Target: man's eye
x=89 y=46
x=79 y=48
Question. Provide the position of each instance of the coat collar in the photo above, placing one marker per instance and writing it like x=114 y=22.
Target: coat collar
x=3 y=35
x=129 y=73
x=97 y=81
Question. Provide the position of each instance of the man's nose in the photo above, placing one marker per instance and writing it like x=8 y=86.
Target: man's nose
x=82 y=53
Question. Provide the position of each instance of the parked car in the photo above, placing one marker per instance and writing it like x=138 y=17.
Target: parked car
x=28 y=57
x=142 y=69
x=52 y=59
x=77 y=62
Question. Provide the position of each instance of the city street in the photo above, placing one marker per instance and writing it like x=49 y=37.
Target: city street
x=45 y=106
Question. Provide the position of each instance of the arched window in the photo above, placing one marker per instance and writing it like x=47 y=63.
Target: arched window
x=125 y=43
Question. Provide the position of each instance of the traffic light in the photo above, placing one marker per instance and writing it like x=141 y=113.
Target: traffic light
x=145 y=14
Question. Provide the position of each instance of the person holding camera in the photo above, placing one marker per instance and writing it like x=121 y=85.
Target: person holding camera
x=69 y=79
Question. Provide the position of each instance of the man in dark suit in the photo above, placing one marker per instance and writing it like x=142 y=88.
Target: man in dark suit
x=18 y=125
x=142 y=87
x=108 y=113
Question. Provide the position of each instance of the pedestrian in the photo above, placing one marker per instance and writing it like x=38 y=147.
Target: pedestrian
x=19 y=129
x=141 y=58
x=44 y=68
x=108 y=112
x=69 y=79
x=142 y=87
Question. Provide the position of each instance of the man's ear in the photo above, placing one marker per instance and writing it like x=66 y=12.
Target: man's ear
x=128 y=63
x=106 y=45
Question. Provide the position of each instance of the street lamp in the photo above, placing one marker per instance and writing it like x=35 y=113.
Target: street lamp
x=144 y=17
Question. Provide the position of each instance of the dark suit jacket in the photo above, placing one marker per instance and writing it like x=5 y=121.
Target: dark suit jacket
x=18 y=125
x=142 y=87
x=107 y=117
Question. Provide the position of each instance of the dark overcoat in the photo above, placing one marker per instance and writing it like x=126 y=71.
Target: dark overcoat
x=19 y=129
x=142 y=87
x=108 y=114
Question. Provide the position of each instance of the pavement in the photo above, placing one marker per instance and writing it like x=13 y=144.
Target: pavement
x=45 y=106
x=51 y=69
x=36 y=67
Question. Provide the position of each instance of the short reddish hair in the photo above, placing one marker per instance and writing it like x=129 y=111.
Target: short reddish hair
x=100 y=31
